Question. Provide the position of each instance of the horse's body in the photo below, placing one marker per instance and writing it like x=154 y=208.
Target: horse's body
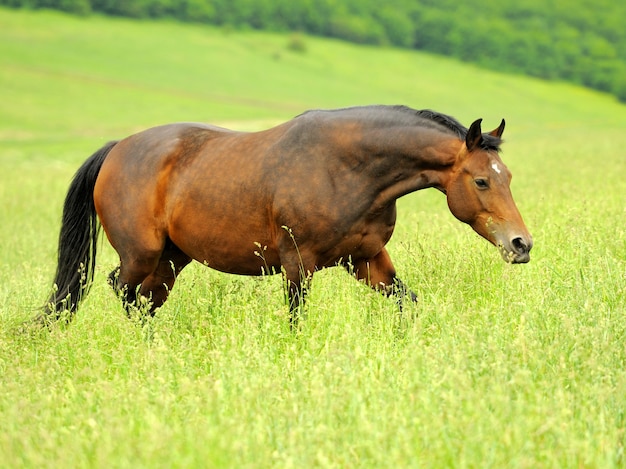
x=317 y=191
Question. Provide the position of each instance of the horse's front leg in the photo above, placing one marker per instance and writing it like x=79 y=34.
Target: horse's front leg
x=379 y=273
x=297 y=278
x=296 y=295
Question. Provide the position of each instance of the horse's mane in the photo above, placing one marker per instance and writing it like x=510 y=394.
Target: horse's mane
x=424 y=118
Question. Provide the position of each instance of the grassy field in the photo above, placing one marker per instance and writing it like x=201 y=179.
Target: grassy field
x=496 y=366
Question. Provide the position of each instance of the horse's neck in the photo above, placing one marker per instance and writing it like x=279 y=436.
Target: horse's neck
x=407 y=158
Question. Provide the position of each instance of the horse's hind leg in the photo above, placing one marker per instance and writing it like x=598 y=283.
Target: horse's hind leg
x=379 y=273
x=132 y=271
x=152 y=280
x=157 y=286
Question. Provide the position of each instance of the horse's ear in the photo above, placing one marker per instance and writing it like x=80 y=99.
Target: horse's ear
x=498 y=132
x=474 y=136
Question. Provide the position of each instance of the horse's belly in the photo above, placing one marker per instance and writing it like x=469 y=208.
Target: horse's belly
x=240 y=260
x=233 y=248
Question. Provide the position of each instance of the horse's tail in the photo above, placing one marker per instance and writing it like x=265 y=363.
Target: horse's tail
x=77 y=240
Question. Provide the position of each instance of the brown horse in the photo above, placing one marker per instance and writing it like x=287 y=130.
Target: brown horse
x=317 y=191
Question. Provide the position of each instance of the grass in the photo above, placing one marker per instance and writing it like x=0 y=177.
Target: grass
x=496 y=366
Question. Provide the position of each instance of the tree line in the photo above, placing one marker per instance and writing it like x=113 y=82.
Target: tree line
x=580 y=41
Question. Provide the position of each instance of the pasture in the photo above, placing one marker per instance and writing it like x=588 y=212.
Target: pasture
x=497 y=365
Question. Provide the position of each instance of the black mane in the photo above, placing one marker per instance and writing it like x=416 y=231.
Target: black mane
x=489 y=142
x=424 y=117
x=442 y=119
x=450 y=123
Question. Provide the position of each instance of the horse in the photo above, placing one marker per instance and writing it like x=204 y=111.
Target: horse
x=317 y=191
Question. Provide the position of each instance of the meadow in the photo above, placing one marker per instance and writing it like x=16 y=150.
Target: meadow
x=497 y=365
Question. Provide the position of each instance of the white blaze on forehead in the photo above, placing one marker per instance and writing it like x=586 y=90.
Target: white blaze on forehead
x=496 y=168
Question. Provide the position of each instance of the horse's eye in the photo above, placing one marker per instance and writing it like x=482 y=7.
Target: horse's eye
x=481 y=183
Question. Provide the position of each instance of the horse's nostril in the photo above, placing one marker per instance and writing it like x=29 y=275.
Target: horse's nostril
x=520 y=245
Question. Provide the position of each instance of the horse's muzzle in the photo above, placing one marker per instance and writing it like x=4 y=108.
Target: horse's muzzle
x=518 y=250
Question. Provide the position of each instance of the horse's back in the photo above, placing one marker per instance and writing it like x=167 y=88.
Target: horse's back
x=219 y=195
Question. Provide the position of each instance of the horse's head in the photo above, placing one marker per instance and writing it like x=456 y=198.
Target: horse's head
x=479 y=194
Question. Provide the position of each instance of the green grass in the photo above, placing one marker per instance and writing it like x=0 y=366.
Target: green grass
x=496 y=366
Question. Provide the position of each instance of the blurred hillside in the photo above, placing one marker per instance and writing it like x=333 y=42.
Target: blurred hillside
x=580 y=41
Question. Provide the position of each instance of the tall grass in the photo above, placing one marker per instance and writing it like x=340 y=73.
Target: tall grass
x=496 y=366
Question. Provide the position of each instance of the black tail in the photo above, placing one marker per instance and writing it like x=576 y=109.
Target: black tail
x=77 y=240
